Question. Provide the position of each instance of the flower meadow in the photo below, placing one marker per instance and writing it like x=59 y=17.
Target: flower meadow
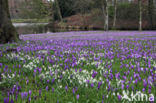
x=79 y=67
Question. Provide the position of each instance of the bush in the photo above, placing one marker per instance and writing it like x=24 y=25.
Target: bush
x=34 y=9
x=127 y=11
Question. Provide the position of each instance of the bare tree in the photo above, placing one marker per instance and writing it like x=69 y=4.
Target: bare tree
x=7 y=31
x=140 y=15
x=105 y=13
x=105 y=9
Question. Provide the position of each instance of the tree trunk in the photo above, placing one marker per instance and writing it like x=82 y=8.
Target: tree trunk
x=115 y=10
x=58 y=10
x=51 y=25
x=107 y=15
x=105 y=9
x=140 y=15
x=7 y=31
x=150 y=12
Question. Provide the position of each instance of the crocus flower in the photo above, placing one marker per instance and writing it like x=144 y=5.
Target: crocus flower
x=1 y=64
x=92 y=85
x=24 y=95
x=27 y=81
x=149 y=90
x=94 y=74
x=35 y=97
x=61 y=76
x=144 y=83
x=46 y=88
x=99 y=84
x=87 y=81
x=35 y=71
x=122 y=86
x=77 y=96
x=53 y=89
x=29 y=99
x=39 y=70
x=30 y=92
x=73 y=91
x=127 y=86
x=40 y=91
x=119 y=97
x=6 y=100
x=12 y=101
x=136 y=81
x=47 y=81
x=66 y=88
x=53 y=80
x=80 y=70
x=117 y=75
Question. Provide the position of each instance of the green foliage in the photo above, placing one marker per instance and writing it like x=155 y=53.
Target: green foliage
x=35 y=9
x=111 y=11
x=55 y=11
x=67 y=7
x=127 y=11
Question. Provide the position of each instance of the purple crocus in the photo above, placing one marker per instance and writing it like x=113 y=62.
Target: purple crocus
x=66 y=88
x=47 y=81
x=127 y=86
x=27 y=81
x=77 y=96
x=29 y=99
x=144 y=83
x=35 y=71
x=24 y=95
x=122 y=86
x=1 y=64
x=12 y=101
x=136 y=81
x=39 y=70
x=73 y=91
x=94 y=74
x=30 y=92
x=46 y=88
x=149 y=90
x=117 y=75
x=6 y=100
x=92 y=85
x=87 y=81
x=119 y=97
x=53 y=90
x=99 y=84
x=143 y=89
x=53 y=80
x=40 y=91
x=80 y=70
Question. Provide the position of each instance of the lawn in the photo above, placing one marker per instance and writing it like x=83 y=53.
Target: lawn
x=79 y=67
x=30 y=20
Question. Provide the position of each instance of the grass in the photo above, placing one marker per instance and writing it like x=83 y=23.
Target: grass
x=63 y=62
x=30 y=20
